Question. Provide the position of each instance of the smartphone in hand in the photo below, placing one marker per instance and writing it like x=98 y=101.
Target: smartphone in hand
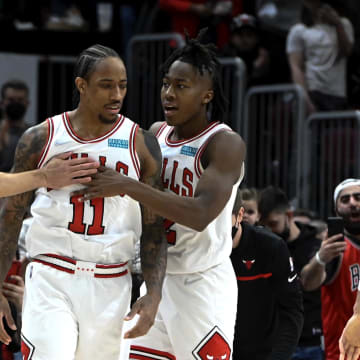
x=335 y=226
x=14 y=270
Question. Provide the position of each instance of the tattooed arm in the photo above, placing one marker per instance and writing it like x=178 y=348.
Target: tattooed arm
x=153 y=244
x=12 y=213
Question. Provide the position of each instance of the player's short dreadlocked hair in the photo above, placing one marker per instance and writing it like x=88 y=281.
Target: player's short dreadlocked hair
x=203 y=58
x=87 y=61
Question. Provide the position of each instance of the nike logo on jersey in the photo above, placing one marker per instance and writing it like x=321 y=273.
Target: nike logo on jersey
x=188 y=151
x=118 y=143
x=292 y=278
x=248 y=263
x=63 y=142
x=189 y=281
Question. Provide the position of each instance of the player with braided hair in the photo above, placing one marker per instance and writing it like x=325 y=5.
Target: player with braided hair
x=78 y=285
x=203 y=161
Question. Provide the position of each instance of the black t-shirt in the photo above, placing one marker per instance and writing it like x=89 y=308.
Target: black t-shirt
x=302 y=250
x=270 y=314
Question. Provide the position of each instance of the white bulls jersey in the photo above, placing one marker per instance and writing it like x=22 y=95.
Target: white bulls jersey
x=189 y=250
x=102 y=230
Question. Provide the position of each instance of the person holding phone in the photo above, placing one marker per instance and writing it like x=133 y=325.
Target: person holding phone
x=336 y=268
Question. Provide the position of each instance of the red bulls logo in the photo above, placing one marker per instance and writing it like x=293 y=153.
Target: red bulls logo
x=248 y=263
x=213 y=347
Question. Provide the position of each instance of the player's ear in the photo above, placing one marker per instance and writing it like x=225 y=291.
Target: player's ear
x=80 y=84
x=208 y=96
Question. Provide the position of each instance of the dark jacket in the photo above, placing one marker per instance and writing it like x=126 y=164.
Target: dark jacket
x=270 y=313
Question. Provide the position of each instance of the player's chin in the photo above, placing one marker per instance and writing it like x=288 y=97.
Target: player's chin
x=171 y=120
x=108 y=119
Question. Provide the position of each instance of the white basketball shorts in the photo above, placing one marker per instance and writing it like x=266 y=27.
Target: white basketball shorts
x=68 y=316
x=196 y=318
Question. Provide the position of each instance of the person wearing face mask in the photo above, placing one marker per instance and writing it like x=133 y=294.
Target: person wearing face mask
x=276 y=214
x=14 y=103
x=267 y=327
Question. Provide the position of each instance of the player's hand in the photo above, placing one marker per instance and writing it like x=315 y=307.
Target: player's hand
x=105 y=183
x=62 y=171
x=146 y=307
x=349 y=342
x=5 y=313
x=14 y=291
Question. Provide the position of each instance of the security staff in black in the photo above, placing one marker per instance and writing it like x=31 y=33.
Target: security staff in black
x=270 y=311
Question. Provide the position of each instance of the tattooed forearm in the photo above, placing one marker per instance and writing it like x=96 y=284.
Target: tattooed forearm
x=153 y=250
x=13 y=210
x=153 y=253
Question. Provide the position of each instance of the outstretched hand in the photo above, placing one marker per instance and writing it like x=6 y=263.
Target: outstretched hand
x=62 y=171
x=105 y=183
x=146 y=307
x=349 y=342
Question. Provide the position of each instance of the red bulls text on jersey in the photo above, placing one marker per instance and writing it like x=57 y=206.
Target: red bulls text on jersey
x=99 y=230
x=181 y=172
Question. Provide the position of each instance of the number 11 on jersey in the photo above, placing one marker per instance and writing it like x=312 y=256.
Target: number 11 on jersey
x=78 y=226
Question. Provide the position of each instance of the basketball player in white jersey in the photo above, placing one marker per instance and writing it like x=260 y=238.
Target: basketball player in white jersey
x=203 y=164
x=78 y=286
x=56 y=174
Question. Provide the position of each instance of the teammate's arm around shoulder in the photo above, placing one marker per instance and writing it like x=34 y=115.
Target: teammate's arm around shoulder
x=153 y=245
x=27 y=153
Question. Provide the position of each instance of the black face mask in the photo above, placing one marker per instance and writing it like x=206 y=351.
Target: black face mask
x=286 y=233
x=15 y=110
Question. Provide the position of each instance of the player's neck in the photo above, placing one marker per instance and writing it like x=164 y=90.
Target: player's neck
x=87 y=126
x=190 y=128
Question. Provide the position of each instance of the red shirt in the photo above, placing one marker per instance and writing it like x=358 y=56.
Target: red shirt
x=182 y=18
x=338 y=298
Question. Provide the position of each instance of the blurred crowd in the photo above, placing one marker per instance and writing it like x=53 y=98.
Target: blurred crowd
x=261 y=32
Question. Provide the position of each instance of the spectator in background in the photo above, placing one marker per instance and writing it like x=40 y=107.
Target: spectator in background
x=245 y=43
x=14 y=103
x=318 y=48
x=304 y=216
x=301 y=239
x=267 y=327
x=336 y=268
x=249 y=201
x=192 y=15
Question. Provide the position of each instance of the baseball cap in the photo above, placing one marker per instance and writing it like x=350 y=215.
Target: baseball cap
x=243 y=20
x=343 y=185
